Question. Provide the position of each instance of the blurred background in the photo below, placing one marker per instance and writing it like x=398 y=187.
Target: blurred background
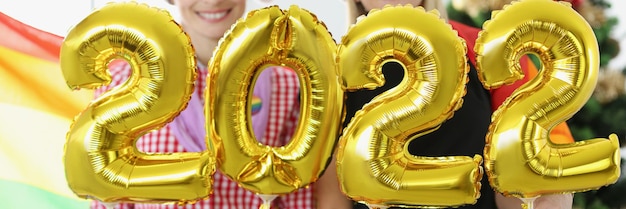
x=36 y=107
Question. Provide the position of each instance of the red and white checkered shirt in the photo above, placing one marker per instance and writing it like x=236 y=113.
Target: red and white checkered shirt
x=226 y=194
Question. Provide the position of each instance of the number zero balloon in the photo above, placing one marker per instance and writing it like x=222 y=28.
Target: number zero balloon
x=295 y=39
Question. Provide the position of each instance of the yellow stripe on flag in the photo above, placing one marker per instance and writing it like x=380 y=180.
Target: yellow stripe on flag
x=31 y=148
x=38 y=84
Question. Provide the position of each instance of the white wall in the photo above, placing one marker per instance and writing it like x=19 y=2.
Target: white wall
x=619 y=33
x=57 y=16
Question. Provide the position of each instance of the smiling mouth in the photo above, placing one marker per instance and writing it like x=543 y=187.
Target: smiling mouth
x=213 y=16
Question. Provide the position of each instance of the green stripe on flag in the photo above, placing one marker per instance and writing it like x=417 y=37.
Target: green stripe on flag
x=14 y=195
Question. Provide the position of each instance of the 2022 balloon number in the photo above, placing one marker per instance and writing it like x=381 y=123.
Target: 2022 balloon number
x=373 y=164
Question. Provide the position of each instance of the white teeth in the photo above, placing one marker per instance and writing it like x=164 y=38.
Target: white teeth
x=214 y=16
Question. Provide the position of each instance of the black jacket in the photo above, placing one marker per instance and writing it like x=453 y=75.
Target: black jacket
x=462 y=135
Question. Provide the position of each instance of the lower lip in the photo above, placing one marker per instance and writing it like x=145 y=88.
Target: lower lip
x=214 y=20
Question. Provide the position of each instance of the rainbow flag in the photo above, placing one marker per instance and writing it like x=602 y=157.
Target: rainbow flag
x=36 y=109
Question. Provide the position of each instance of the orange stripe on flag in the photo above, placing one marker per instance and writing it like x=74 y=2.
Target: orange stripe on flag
x=38 y=84
x=29 y=40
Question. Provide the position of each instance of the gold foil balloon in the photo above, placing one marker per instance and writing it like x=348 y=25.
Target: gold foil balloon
x=373 y=163
x=270 y=36
x=520 y=160
x=101 y=160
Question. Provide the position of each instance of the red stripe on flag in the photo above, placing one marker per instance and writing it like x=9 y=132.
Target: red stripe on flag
x=29 y=40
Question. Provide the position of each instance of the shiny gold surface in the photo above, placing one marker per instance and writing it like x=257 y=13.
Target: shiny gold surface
x=101 y=160
x=519 y=158
x=295 y=39
x=373 y=164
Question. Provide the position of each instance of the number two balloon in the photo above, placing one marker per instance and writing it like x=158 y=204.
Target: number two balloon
x=101 y=160
x=519 y=158
x=373 y=163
